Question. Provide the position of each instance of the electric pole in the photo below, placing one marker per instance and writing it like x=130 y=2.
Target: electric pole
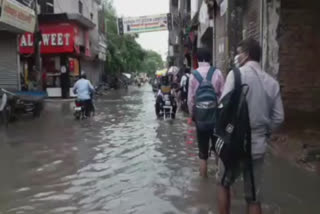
x=37 y=52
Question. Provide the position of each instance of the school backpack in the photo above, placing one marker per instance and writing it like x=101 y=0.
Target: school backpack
x=206 y=102
x=233 y=132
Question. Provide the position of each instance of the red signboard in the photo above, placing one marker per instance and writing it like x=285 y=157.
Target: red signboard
x=58 y=38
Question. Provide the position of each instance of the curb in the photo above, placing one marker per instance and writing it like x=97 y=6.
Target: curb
x=59 y=100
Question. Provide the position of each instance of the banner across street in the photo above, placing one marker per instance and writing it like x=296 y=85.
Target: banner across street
x=143 y=24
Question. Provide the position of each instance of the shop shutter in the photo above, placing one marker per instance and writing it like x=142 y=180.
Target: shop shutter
x=8 y=61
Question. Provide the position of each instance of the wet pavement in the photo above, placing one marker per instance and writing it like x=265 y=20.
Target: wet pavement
x=123 y=160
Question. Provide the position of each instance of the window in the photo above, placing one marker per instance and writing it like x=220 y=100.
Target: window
x=91 y=16
x=46 y=6
x=80 y=7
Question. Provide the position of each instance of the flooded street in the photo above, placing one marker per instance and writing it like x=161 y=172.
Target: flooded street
x=125 y=161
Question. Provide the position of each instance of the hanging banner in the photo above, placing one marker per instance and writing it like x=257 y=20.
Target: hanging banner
x=143 y=24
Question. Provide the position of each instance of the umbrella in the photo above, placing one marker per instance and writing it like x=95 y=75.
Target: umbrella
x=161 y=72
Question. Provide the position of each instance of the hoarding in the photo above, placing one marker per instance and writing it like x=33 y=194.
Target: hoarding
x=143 y=24
x=17 y=15
x=55 y=39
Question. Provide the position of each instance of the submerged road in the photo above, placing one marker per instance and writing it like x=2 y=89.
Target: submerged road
x=124 y=160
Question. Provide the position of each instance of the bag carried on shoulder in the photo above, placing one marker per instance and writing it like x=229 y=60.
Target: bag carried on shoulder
x=206 y=102
x=233 y=131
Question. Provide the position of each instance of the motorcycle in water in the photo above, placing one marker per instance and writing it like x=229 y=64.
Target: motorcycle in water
x=166 y=107
x=79 y=110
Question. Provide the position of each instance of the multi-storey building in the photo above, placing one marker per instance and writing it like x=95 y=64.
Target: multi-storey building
x=73 y=40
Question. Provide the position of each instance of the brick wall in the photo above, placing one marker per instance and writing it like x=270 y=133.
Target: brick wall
x=299 y=40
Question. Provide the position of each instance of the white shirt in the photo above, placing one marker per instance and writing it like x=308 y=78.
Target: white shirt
x=183 y=82
x=264 y=102
x=83 y=89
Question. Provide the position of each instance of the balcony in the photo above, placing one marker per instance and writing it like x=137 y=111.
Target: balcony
x=17 y=16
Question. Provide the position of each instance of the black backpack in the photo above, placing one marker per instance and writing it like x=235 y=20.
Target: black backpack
x=233 y=131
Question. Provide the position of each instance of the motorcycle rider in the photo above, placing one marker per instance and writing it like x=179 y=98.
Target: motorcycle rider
x=165 y=88
x=84 y=89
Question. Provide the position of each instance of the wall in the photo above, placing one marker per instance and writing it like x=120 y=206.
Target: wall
x=270 y=45
x=299 y=40
x=220 y=42
x=205 y=31
x=71 y=6
x=251 y=20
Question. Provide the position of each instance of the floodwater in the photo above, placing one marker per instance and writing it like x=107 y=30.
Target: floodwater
x=122 y=161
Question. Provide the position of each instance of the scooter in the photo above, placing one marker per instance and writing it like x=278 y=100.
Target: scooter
x=167 y=105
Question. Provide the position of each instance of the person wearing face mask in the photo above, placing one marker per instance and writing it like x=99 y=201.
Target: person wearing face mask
x=266 y=114
x=236 y=61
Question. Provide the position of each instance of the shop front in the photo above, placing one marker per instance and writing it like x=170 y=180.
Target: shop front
x=15 y=18
x=60 y=56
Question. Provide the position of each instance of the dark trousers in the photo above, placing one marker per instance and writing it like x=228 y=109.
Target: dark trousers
x=204 y=138
x=88 y=106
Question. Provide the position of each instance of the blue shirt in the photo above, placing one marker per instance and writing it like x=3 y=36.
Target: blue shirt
x=83 y=89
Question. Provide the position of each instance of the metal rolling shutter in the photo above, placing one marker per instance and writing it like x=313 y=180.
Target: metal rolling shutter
x=93 y=69
x=8 y=61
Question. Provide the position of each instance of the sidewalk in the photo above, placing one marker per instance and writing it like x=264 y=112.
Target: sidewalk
x=299 y=140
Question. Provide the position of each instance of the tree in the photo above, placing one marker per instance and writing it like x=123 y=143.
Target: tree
x=152 y=63
x=124 y=54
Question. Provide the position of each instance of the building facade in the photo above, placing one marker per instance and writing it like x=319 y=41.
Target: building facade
x=73 y=40
x=178 y=53
x=15 y=18
x=287 y=31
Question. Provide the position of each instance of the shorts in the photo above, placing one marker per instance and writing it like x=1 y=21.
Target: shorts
x=204 y=138
x=243 y=168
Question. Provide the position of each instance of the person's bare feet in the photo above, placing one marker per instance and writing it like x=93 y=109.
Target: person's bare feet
x=203 y=169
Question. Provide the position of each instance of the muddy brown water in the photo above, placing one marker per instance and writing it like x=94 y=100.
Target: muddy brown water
x=125 y=161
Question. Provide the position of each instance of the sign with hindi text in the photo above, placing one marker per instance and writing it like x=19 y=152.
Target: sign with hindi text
x=143 y=24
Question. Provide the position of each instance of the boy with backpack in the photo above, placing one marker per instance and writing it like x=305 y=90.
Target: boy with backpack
x=205 y=88
x=251 y=108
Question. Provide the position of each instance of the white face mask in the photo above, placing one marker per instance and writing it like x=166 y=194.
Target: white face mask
x=236 y=61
